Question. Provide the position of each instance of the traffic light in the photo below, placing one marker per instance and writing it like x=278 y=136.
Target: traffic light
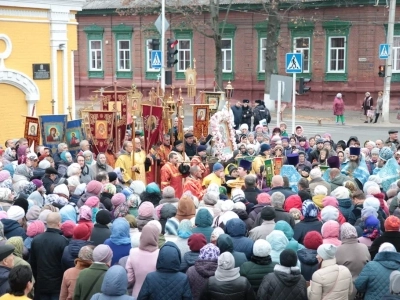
x=154 y=44
x=171 y=52
x=302 y=87
x=381 y=72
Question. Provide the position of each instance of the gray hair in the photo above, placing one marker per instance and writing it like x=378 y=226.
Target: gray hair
x=250 y=180
x=73 y=169
x=83 y=143
x=277 y=199
x=315 y=173
x=61 y=146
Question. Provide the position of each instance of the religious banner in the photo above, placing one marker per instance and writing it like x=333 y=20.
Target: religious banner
x=269 y=171
x=53 y=130
x=74 y=135
x=200 y=120
x=152 y=125
x=117 y=102
x=31 y=132
x=86 y=124
x=101 y=129
x=278 y=162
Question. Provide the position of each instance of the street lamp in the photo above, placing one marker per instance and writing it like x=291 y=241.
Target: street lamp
x=229 y=91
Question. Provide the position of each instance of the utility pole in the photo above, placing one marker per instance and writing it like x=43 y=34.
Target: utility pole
x=389 y=63
x=163 y=46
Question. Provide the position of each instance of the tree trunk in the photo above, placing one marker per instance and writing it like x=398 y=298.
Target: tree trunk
x=272 y=44
x=214 y=15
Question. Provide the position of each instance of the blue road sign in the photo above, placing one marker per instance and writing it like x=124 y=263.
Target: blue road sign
x=383 y=51
x=294 y=62
x=156 y=59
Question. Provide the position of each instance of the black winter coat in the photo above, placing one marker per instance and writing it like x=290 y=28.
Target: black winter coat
x=308 y=262
x=251 y=194
x=13 y=228
x=45 y=259
x=99 y=234
x=237 y=115
x=392 y=237
x=238 y=289
x=247 y=113
x=260 y=112
x=71 y=253
x=255 y=270
x=281 y=285
x=304 y=226
x=4 y=285
x=190 y=150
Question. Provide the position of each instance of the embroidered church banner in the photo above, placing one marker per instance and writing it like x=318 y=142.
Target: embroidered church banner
x=152 y=121
x=32 y=133
x=101 y=129
x=53 y=130
x=74 y=135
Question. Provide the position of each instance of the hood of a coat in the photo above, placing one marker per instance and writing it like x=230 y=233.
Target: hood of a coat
x=191 y=257
x=169 y=258
x=203 y=218
x=115 y=281
x=242 y=214
x=285 y=228
x=307 y=256
x=390 y=260
x=225 y=243
x=277 y=240
x=75 y=246
x=9 y=225
x=236 y=228
x=338 y=180
x=289 y=279
x=345 y=203
x=206 y=268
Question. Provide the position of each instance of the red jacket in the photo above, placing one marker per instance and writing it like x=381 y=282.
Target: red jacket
x=338 y=107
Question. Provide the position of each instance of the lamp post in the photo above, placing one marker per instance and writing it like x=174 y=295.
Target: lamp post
x=229 y=93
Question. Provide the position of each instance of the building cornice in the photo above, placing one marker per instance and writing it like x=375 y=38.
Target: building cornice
x=75 y=5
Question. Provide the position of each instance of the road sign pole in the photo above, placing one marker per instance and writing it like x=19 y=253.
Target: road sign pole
x=389 y=63
x=294 y=103
x=162 y=84
x=278 y=111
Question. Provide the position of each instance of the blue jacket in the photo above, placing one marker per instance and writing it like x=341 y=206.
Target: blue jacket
x=71 y=253
x=237 y=115
x=345 y=207
x=167 y=282
x=114 y=286
x=120 y=240
x=12 y=228
x=236 y=229
x=203 y=223
x=308 y=262
x=224 y=243
x=4 y=285
x=374 y=277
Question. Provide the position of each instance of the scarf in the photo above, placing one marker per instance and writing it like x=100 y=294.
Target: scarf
x=227 y=275
x=120 y=210
x=85 y=170
x=100 y=165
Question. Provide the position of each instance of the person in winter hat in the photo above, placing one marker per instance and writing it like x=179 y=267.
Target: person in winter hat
x=120 y=206
x=330 y=214
x=259 y=265
x=203 y=223
x=260 y=232
x=309 y=223
x=330 y=233
x=391 y=235
x=196 y=241
x=394 y=286
x=236 y=228
x=331 y=281
x=101 y=231
x=93 y=188
x=338 y=108
x=12 y=224
x=120 y=240
x=286 y=282
x=146 y=214
x=308 y=256
x=263 y=199
x=227 y=278
x=371 y=231
x=288 y=231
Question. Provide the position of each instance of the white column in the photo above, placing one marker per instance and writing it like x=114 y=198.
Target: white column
x=65 y=80
x=73 y=86
x=54 y=79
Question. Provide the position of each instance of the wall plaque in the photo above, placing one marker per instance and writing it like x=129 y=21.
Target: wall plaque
x=41 y=71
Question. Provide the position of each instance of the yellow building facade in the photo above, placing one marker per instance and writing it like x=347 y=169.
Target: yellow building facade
x=37 y=43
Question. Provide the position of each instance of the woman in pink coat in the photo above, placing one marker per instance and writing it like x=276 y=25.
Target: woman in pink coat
x=338 y=108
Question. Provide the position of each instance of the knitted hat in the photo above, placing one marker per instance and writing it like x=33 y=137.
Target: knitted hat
x=329 y=200
x=33 y=213
x=372 y=202
x=329 y=213
x=92 y=201
x=333 y=162
x=327 y=251
x=392 y=223
x=43 y=215
x=86 y=253
x=146 y=209
x=288 y=258
x=264 y=198
x=309 y=209
x=385 y=154
x=85 y=213
x=217 y=167
x=80 y=189
x=112 y=176
x=171 y=227
x=35 y=228
x=4 y=174
x=320 y=190
x=348 y=231
x=82 y=232
x=387 y=247
x=312 y=240
x=395 y=282
x=264 y=147
x=94 y=187
x=61 y=189
x=227 y=205
x=37 y=182
x=330 y=229
x=201 y=148
x=153 y=188
x=238 y=195
x=44 y=164
x=103 y=217
x=67 y=228
x=110 y=188
x=102 y=253
x=118 y=199
x=340 y=193
x=261 y=248
x=168 y=192
x=209 y=252
x=196 y=241
x=210 y=198
x=375 y=151
x=268 y=213
x=15 y=213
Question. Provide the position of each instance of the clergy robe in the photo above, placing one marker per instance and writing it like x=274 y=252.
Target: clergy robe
x=170 y=176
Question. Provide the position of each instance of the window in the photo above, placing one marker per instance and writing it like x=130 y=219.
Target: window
x=184 y=55
x=95 y=63
x=336 y=58
x=96 y=54
x=226 y=55
x=263 y=49
x=124 y=55
x=396 y=54
x=302 y=45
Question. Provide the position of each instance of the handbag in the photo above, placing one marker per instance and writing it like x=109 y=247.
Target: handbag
x=370 y=113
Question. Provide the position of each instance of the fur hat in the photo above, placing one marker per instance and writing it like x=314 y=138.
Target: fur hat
x=261 y=248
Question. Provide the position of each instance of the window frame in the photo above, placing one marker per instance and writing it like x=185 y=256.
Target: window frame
x=183 y=34
x=224 y=54
x=93 y=56
x=94 y=33
x=123 y=32
x=330 y=48
x=189 y=50
x=395 y=58
x=129 y=52
x=262 y=51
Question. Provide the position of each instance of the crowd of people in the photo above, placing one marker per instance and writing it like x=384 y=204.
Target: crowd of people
x=287 y=217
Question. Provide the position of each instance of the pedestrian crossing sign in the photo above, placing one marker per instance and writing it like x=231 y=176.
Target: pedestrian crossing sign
x=383 y=51
x=155 y=59
x=294 y=62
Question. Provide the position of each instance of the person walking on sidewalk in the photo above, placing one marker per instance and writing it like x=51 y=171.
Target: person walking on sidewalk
x=368 y=104
x=379 y=103
x=338 y=108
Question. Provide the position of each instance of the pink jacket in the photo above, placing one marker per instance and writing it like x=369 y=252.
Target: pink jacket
x=139 y=264
x=338 y=107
